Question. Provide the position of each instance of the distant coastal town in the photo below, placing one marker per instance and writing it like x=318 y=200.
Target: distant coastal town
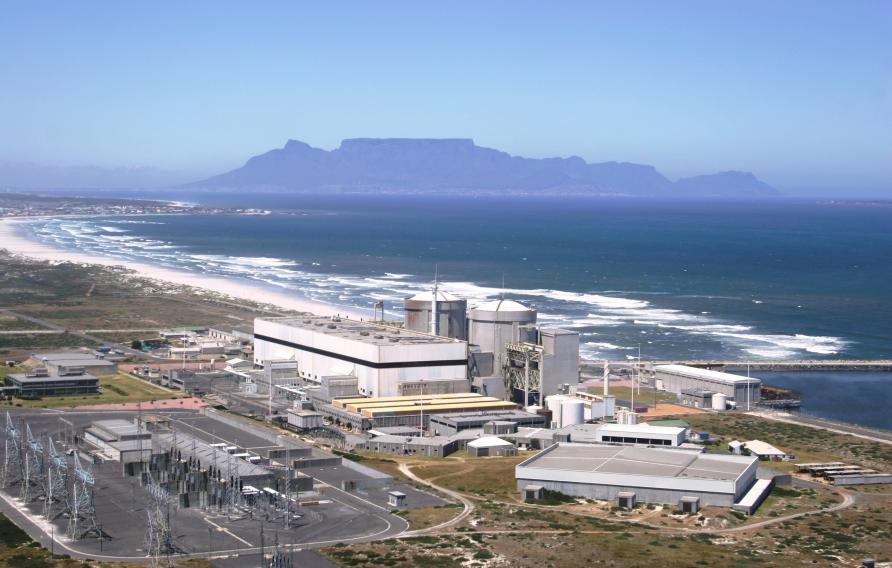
x=35 y=205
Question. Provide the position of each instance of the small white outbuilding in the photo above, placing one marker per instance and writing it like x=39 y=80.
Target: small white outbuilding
x=491 y=446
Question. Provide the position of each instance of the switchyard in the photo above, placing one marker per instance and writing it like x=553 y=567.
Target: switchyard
x=211 y=487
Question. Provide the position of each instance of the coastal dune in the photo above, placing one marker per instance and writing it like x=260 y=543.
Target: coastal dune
x=14 y=239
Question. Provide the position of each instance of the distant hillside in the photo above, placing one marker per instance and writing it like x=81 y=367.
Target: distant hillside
x=458 y=165
x=38 y=176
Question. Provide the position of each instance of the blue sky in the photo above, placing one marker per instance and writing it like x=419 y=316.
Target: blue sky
x=798 y=92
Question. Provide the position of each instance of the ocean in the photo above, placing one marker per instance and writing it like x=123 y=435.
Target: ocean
x=682 y=280
x=848 y=396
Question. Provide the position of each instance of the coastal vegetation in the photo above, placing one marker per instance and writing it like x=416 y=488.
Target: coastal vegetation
x=47 y=305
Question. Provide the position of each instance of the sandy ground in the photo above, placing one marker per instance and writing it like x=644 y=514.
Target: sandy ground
x=669 y=409
x=13 y=239
x=181 y=403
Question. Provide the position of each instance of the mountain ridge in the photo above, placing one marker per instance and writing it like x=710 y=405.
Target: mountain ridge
x=444 y=165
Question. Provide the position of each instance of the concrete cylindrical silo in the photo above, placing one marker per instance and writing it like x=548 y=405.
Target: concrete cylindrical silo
x=493 y=324
x=719 y=401
x=553 y=403
x=572 y=412
x=451 y=310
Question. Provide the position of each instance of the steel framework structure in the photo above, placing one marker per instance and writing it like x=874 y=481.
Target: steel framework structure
x=12 y=456
x=56 y=483
x=522 y=370
x=82 y=521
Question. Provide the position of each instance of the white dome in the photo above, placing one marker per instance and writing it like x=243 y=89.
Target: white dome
x=429 y=295
x=502 y=306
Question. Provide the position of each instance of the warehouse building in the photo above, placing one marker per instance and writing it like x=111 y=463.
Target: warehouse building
x=640 y=434
x=452 y=423
x=366 y=413
x=386 y=360
x=64 y=362
x=120 y=440
x=304 y=419
x=39 y=382
x=433 y=447
x=680 y=378
x=649 y=475
x=491 y=446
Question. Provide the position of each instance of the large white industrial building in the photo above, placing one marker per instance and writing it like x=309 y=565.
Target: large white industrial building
x=680 y=378
x=385 y=360
x=650 y=475
x=643 y=434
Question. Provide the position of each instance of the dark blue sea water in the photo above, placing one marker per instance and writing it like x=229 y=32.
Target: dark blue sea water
x=854 y=397
x=684 y=280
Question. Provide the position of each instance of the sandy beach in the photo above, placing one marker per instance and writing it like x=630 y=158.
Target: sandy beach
x=14 y=239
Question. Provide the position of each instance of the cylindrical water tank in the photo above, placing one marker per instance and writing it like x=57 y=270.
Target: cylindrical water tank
x=553 y=403
x=719 y=401
x=451 y=314
x=493 y=324
x=572 y=412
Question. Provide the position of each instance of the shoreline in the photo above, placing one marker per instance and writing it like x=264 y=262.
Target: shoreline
x=17 y=243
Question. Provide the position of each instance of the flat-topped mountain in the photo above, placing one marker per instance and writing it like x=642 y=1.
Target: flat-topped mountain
x=453 y=165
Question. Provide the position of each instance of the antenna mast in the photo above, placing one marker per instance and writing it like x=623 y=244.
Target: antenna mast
x=435 y=327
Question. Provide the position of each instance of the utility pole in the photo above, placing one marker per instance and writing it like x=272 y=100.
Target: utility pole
x=748 y=386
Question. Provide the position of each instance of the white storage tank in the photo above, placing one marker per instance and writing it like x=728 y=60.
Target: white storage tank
x=533 y=409
x=554 y=403
x=719 y=401
x=493 y=324
x=572 y=412
x=451 y=314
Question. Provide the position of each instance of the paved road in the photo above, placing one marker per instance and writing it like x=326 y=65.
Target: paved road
x=467 y=504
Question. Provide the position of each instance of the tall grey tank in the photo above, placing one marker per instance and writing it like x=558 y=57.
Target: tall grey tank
x=451 y=311
x=493 y=324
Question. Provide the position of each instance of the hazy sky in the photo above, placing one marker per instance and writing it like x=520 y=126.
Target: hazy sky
x=798 y=92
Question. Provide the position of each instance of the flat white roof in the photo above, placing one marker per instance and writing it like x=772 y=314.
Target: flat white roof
x=361 y=331
x=634 y=466
x=705 y=374
x=640 y=429
x=755 y=493
x=761 y=448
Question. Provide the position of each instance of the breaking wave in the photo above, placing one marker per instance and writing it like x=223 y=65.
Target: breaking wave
x=622 y=317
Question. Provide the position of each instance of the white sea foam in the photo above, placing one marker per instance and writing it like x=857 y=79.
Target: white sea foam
x=606 y=309
x=605 y=345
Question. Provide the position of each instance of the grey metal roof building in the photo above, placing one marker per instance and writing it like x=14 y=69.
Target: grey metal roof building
x=31 y=384
x=435 y=447
x=451 y=423
x=678 y=378
x=60 y=362
x=654 y=475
